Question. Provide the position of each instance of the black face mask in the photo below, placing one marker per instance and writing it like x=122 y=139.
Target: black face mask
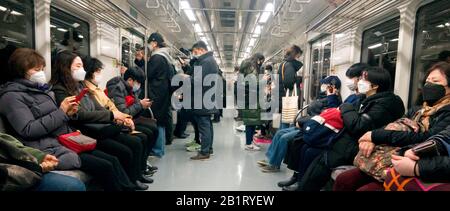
x=433 y=93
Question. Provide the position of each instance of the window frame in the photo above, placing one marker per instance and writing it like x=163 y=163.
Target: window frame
x=33 y=23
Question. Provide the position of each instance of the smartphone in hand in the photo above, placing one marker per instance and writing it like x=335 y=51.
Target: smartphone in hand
x=81 y=95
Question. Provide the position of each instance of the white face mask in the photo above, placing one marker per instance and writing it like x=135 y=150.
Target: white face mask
x=39 y=77
x=363 y=86
x=79 y=74
x=136 y=87
x=323 y=88
x=98 y=78
x=350 y=84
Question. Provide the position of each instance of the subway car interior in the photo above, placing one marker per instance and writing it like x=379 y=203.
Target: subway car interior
x=224 y=95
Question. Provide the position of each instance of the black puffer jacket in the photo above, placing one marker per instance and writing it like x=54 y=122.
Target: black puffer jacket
x=373 y=112
x=437 y=169
x=438 y=122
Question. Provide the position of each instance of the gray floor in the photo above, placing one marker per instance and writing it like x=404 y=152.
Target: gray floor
x=230 y=169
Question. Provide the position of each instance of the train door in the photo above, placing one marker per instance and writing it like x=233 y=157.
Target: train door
x=132 y=41
x=320 y=64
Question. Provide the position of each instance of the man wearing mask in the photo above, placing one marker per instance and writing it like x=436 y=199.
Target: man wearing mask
x=160 y=70
x=202 y=116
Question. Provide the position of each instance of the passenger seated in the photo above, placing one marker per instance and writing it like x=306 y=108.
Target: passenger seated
x=432 y=118
x=379 y=107
x=299 y=155
x=128 y=96
x=34 y=118
x=329 y=96
x=94 y=120
x=278 y=148
x=18 y=155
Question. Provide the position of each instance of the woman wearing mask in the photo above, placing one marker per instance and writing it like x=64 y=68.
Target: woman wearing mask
x=379 y=107
x=67 y=74
x=432 y=118
x=251 y=117
x=33 y=114
x=136 y=142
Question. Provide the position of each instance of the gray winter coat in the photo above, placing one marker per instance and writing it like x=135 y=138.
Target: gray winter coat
x=36 y=120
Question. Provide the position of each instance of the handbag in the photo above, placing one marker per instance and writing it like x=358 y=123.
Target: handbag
x=426 y=149
x=290 y=107
x=77 y=142
x=395 y=182
x=378 y=163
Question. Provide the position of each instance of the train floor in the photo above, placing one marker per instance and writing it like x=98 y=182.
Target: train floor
x=231 y=168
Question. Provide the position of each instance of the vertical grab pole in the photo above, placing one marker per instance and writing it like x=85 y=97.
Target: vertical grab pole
x=146 y=62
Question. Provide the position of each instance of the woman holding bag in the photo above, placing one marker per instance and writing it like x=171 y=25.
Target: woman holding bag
x=67 y=74
x=251 y=117
x=432 y=118
x=34 y=117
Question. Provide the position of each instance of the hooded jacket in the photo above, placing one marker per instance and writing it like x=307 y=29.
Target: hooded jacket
x=35 y=119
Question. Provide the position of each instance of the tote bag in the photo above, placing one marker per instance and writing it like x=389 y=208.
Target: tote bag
x=290 y=107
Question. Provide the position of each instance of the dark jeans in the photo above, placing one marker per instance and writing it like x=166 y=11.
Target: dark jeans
x=249 y=133
x=183 y=118
x=136 y=143
x=106 y=169
x=206 y=131
x=169 y=128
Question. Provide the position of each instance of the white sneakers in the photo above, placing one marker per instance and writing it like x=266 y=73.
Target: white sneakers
x=252 y=147
x=241 y=128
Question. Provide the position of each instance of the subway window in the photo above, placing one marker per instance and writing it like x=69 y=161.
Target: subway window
x=131 y=43
x=432 y=39
x=380 y=46
x=17 y=23
x=68 y=33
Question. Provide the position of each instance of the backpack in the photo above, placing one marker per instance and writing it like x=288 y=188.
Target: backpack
x=321 y=130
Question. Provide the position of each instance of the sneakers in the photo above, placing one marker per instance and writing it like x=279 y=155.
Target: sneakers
x=194 y=147
x=252 y=147
x=263 y=163
x=200 y=157
x=190 y=143
x=241 y=128
x=270 y=169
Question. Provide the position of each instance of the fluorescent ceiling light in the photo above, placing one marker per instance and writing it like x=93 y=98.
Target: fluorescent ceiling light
x=266 y=15
x=62 y=30
x=447 y=24
x=3 y=9
x=52 y=26
x=201 y=34
x=375 y=46
x=16 y=13
x=257 y=31
x=80 y=36
x=394 y=40
x=249 y=49
x=440 y=26
x=252 y=42
x=188 y=10
x=197 y=28
x=340 y=35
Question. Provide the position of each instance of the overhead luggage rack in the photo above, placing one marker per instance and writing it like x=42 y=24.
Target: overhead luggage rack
x=351 y=13
x=107 y=11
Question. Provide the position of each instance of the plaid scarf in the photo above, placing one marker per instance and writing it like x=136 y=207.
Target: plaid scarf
x=423 y=115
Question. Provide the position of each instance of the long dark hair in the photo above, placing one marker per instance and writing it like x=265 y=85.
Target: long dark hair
x=62 y=72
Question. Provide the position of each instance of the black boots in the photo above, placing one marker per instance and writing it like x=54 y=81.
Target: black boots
x=289 y=182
